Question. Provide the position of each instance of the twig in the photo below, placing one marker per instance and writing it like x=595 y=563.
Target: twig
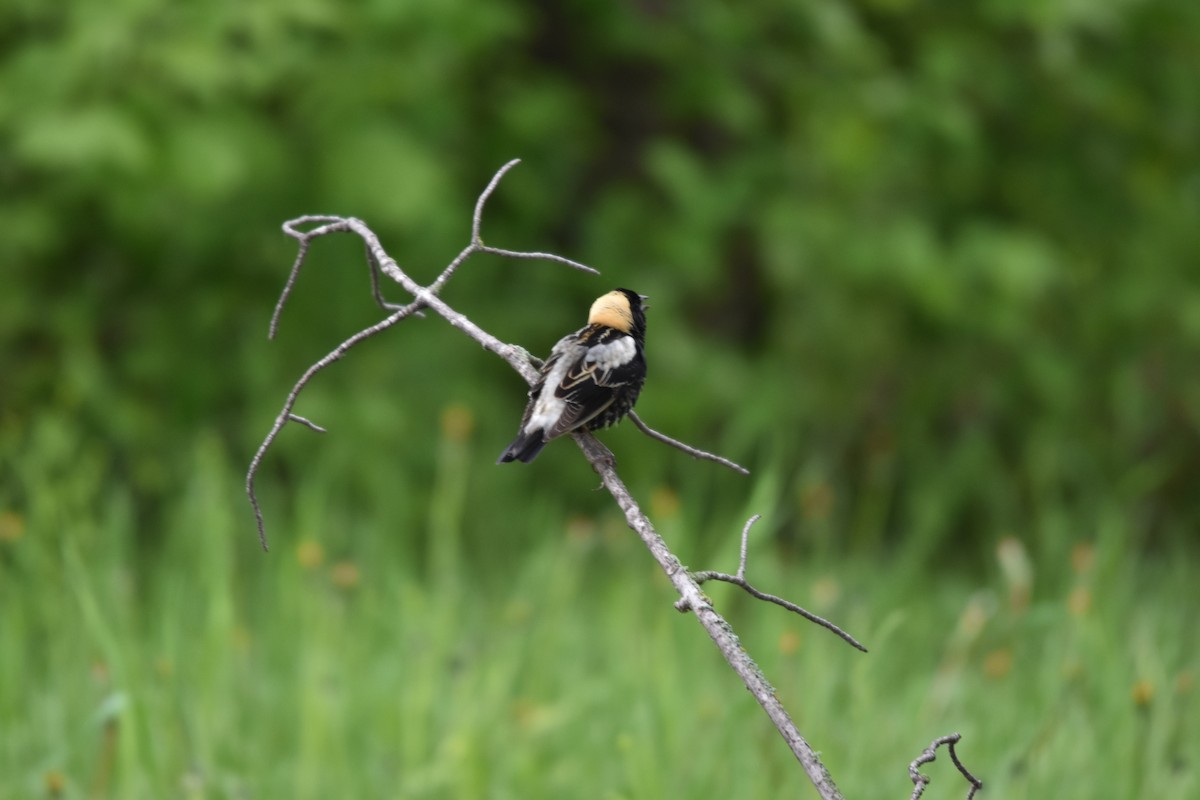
x=308 y=423
x=285 y=416
x=740 y=580
x=301 y=252
x=930 y=754
x=376 y=292
x=477 y=245
x=691 y=451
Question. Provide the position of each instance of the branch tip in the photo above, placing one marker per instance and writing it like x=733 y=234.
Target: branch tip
x=741 y=573
x=477 y=219
x=308 y=423
x=258 y=516
x=534 y=255
x=692 y=451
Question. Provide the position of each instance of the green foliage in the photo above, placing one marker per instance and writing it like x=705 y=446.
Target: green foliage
x=956 y=241
x=365 y=657
x=928 y=270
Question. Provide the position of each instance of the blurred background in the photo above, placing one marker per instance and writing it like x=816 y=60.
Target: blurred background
x=930 y=271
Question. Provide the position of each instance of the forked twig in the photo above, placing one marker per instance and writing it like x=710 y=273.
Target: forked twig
x=477 y=245
x=928 y=755
x=285 y=415
x=739 y=579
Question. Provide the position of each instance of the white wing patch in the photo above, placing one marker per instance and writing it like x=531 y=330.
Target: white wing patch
x=548 y=408
x=616 y=353
x=599 y=359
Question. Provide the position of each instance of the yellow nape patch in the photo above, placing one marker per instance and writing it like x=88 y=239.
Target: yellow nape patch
x=612 y=310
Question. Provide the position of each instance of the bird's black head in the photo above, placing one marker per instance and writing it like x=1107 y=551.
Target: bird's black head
x=637 y=307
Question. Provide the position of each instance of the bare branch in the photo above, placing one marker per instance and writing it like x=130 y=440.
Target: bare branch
x=740 y=580
x=477 y=245
x=537 y=256
x=693 y=599
x=930 y=754
x=477 y=219
x=691 y=451
x=291 y=228
x=306 y=423
x=329 y=224
x=376 y=292
x=472 y=249
x=741 y=573
x=426 y=298
x=286 y=414
x=477 y=222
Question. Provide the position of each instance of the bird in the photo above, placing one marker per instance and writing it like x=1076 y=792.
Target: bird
x=591 y=379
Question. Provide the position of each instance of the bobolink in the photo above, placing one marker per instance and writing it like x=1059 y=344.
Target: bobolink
x=591 y=379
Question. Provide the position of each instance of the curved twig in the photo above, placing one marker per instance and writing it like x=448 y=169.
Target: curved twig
x=928 y=755
x=691 y=451
x=740 y=580
x=285 y=416
x=376 y=291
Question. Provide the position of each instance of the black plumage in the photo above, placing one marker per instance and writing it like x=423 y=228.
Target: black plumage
x=591 y=379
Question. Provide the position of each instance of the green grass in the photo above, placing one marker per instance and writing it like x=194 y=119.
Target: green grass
x=372 y=654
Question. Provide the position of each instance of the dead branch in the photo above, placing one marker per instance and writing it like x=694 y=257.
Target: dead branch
x=381 y=262
x=691 y=451
x=740 y=580
x=426 y=298
x=930 y=754
x=285 y=415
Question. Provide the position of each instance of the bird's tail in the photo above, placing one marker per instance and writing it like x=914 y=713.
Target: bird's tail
x=524 y=448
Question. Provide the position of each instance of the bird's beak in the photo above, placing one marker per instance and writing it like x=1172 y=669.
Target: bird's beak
x=644 y=297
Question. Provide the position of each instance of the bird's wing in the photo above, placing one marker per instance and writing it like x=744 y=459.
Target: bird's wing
x=595 y=373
